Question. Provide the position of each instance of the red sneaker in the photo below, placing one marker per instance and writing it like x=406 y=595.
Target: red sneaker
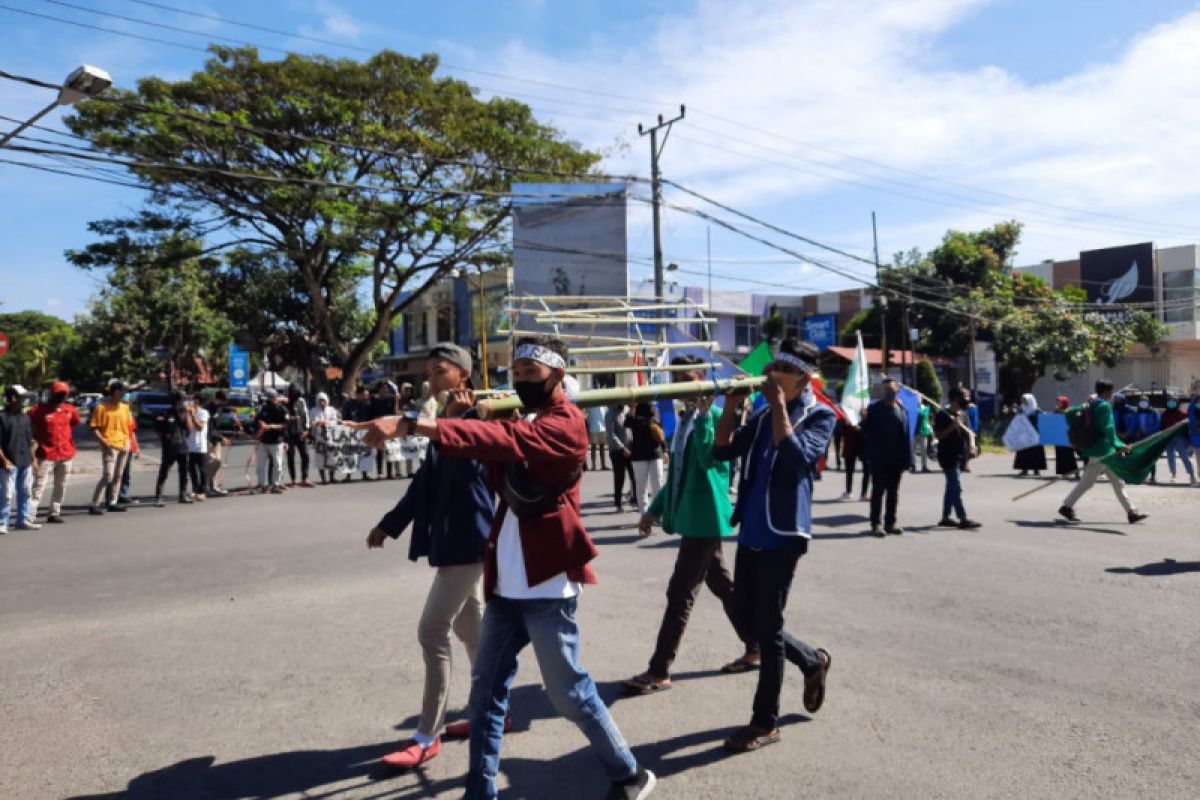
x=462 y=729
x=412 y=755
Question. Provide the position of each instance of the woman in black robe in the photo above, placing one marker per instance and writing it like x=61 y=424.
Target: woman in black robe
x=1031 y=459
x=1065 y=462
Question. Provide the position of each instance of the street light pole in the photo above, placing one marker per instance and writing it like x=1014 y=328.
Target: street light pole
x=86 y=81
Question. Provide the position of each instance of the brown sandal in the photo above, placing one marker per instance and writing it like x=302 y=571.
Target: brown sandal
x=751 y=738
x=814 y=685
x=646 y=684
x=739 y=665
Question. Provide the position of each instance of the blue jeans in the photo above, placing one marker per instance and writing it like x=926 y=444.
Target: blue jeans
x=549 y=625
x=1179 y=446
x=24 y=507
x=952 y=498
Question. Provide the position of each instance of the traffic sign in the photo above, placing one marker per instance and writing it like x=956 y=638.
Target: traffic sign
x=3 y=344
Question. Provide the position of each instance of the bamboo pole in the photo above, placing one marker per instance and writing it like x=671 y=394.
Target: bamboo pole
x=633 y=394
x=643 y=368
x=653 y=346
x=562 y=319
x=585 y=336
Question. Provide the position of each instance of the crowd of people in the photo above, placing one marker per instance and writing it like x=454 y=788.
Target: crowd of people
x=38 y=446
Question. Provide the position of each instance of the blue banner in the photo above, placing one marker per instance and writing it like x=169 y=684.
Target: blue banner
x=821 y=331
x=912 y=405
x=1052 y=430
x=239 y=368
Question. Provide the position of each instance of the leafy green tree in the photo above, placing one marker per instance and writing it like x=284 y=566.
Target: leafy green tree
x=37 y=342
x=158 y=293
x=333 y=166
x=927 y=380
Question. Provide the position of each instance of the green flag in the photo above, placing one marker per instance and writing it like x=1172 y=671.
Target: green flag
x=756 y=360
x=1134 y=466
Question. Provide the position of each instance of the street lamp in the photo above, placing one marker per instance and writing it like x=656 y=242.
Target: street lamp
x=86 y=81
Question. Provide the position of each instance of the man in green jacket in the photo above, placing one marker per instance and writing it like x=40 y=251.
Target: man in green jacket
x=1105 y=444
x=694 y=503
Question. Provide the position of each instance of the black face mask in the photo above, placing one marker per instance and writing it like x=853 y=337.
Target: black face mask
x=533 y=394
x=58 y=398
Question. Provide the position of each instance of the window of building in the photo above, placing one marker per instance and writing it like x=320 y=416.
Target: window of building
x=746 y=331
x=793 y=324
x=445 y=324
x=416 y=331
x=1180 y=297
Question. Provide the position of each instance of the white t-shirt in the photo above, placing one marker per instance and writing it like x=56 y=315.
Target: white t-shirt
x=198 y=439
x=511 y=580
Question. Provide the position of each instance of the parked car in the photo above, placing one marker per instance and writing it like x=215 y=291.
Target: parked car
x=86 y=402
x=242 y=407
x=147 y=406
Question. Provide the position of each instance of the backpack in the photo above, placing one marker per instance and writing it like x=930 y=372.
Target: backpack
x=1082 y=432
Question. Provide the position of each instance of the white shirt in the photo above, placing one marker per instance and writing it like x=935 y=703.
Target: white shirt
x=198 y=439
x=329 y=415
x=511 y=580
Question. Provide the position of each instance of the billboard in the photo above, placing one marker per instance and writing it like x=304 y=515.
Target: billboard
x=821 y=331
x=569 y=239
x=239 y=367
x=1116 y=276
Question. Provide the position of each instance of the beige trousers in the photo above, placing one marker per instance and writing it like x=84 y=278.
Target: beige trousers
x=112 y=467
x=1090 y=473
x=62 y=473
x=455 y=603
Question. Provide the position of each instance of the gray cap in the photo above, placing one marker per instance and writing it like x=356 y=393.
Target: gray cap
x=448 y=351
x=270 y=394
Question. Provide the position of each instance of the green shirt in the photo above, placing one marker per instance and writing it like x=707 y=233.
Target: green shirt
x=923 y=428
x=695 y=499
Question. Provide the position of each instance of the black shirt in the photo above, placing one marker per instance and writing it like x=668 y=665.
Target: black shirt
x=644 y=444
x=952 y=450
x=272 y=413
x=358 y=411
x=16 y=437
x=172 y=430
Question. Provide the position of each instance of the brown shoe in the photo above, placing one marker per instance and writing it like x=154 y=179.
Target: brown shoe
x=750 y=738
x=814 y=685
x=646 y=683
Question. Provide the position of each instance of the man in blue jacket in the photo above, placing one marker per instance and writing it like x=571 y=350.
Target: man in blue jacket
x=450 y=508
x=780 y=447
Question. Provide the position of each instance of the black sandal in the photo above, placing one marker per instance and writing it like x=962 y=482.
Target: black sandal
x=646 y=684
x=814 y=685
x=739 y=666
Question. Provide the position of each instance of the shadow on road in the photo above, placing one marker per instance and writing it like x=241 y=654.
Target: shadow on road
x=841 y=520
x=1168 y=566
x=1060 y=525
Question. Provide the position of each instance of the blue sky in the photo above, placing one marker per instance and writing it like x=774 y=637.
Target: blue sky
x=1076 y=118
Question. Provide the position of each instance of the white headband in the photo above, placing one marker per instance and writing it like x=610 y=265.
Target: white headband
x=798 y=363
x=542 y=355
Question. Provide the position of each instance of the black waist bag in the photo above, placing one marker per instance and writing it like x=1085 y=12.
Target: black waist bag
x=528 y=499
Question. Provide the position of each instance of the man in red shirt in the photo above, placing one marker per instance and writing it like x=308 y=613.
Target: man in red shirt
x=535 y=563
x=54 y=422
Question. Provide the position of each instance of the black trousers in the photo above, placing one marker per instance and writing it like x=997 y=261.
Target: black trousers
x=700 y=563
x=866 y=473
x=195 y=468
x=622 y=466
x=180 y=461
x=761 y=580
x=886 y=482
x=297 y=443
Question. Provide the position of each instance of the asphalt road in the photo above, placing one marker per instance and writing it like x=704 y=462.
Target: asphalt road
x=252 y=647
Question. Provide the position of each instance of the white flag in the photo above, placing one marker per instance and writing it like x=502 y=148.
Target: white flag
x=857 y=394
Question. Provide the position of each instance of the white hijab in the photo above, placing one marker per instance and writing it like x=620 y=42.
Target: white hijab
x=1029 y=405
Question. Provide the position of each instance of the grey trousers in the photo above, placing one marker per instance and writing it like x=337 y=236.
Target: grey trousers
x=1090 y=473
x=61 y=470
x=455 y=603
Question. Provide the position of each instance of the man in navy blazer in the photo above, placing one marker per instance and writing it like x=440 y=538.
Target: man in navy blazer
x=780 y=447
x=889 y=452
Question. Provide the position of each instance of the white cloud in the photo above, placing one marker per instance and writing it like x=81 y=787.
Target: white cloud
x=862 y=78
x=337 y=22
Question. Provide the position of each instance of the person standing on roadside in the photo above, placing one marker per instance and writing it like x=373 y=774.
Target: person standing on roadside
x=694 y=504
x=54 y=423
x=951 y=426
x=648 y=446
x=173 y=427
x=112 y=424
x=198 y=419
x=618 y=447
x=297 y=436
x=320 y=418
x=924 y=441
x=1103 y=444
x=1031 y=459
x=889 y=453
x=17 y=461
x=780 y=447
x=271 y=426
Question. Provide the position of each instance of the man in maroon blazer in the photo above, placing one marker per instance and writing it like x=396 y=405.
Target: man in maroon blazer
x=535 y=565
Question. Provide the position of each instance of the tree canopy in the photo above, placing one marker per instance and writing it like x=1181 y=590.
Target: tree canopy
x=331 y=178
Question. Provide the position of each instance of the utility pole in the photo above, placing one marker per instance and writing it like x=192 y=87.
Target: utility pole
x=910 y=373
x=656 y=195
x=708 y=249
x=883 y=350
